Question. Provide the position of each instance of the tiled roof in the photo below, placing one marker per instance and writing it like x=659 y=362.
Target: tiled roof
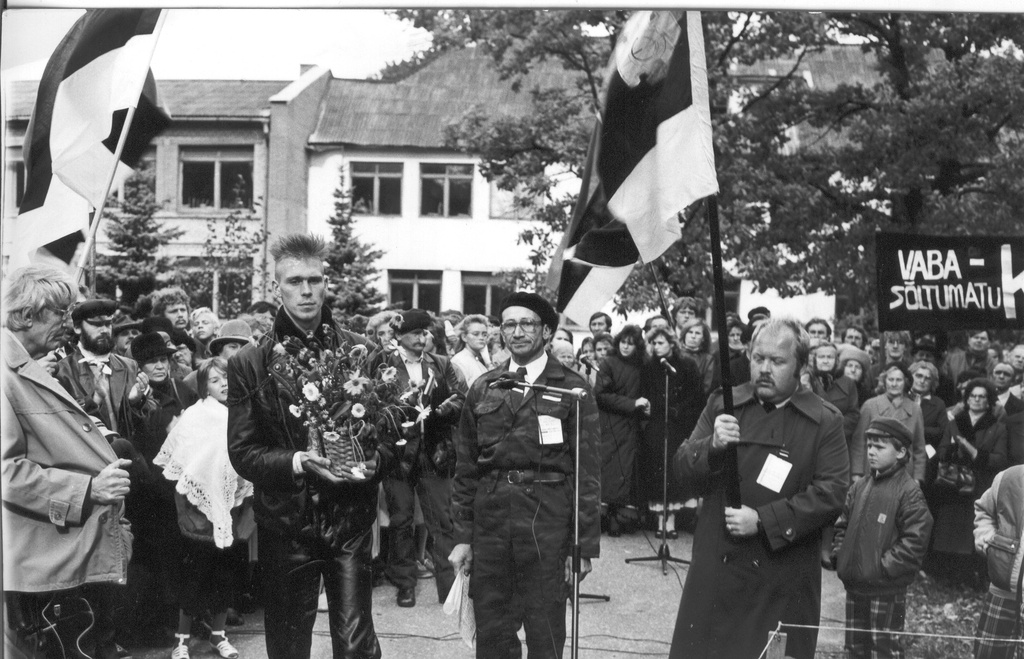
x=414 y=112
x=186 y=99
x=833 y=66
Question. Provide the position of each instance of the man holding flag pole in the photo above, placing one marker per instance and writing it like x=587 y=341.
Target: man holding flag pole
x=95 y=113
x=755 y=559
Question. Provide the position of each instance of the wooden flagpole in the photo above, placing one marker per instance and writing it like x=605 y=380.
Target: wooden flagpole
x=732 y=484
x=90 y=242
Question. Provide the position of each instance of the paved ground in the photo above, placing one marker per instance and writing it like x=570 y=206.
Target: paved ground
x=636 y=622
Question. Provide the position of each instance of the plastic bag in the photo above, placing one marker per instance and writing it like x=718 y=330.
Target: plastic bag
x=458 y=602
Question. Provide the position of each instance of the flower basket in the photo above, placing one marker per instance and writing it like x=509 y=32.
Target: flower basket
x=339 y=448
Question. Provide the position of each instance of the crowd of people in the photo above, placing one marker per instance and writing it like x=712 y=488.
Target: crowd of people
x=154 y=480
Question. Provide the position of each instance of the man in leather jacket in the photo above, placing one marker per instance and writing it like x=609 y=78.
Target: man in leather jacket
x=312 y=523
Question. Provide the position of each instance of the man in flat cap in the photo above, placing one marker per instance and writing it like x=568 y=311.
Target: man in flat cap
x=513 y=493
x=428 y=463
x=106 y=385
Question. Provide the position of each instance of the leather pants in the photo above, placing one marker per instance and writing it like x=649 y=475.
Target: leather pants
x=292 y=568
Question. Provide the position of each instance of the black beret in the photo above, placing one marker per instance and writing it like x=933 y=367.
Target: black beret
x=414 y=319
x=147 y=347
x=885 y=427
x=758 y=311
x=534 y=303
x=92 y=308
x=179 y=337
x=157 y=324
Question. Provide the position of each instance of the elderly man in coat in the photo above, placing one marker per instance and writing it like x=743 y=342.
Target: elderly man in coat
x=757 y=565
x=65 y=538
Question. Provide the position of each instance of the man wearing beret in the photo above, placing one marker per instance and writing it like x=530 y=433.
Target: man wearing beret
x=106 y=385
x=428 y=461
x=512 y=497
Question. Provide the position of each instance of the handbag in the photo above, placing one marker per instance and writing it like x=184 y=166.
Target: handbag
x=951 y=475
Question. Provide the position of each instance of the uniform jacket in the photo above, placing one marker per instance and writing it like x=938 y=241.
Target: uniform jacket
x=906 y=412
x=494 y=435
x=433 y=450
x=738 y=589
x=54 y=537
x=1000 y=511
x=882 y=536
x=77 y=379
x=263 y=437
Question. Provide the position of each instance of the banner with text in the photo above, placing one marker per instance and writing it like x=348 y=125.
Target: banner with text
x=949 y=282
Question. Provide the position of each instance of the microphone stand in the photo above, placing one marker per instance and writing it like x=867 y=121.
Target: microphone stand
x=577 y=395
x=663 y=555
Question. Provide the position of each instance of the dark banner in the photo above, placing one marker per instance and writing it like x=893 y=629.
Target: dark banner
x=949 y=282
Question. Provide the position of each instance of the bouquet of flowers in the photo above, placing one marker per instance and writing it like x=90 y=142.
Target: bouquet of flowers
x=347 y=410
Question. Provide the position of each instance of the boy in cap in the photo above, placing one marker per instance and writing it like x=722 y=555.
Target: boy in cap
x=880 y=541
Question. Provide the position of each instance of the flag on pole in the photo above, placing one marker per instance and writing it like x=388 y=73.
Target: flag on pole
x=98 y=71
x=650 y=157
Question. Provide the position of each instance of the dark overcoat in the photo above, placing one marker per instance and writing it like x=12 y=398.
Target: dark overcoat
x=737 y=590
x=616 y=391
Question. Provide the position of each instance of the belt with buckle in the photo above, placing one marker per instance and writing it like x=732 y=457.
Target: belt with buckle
x=528 y=476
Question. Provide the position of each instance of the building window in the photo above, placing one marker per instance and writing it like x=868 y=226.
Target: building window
x=16 y=174
x=415 y=289
x=214 y=179
x=377 y=188
x=482 y=292
x=447 y=190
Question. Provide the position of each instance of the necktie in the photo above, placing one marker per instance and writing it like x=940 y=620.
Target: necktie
x=517 y=397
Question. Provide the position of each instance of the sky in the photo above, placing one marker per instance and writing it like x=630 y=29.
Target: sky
x=237 y=44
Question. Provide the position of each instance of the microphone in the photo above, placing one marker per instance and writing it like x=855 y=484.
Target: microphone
x=507 y=380
x=586 y=361
x=670 y=367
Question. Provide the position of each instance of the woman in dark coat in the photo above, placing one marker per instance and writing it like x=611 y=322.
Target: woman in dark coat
x=975 y=438
x=154 y=568
x=695 y=343
x=686 y=397
x=622 y=407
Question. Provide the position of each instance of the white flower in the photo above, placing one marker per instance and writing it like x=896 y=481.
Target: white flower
x=358 y=411
x=356 y=386
x=310 y=391
x=424 y=413
x=295 y=410
x=389 y=374
x=358 y=351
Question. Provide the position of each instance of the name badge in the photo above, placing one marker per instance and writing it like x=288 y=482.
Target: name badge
x=550 y=429
x=773 y=473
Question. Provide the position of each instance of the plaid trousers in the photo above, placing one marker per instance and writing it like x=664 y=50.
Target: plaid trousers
x=879 y=614
x=997 y=629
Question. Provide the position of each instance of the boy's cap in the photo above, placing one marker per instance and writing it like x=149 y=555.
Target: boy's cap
x=890 y=428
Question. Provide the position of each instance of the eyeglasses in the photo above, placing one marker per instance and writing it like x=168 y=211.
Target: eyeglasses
x=1003 y=373
x=978 y=397
x=528 y=326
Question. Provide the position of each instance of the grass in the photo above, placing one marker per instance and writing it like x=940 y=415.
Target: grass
x=935 y=607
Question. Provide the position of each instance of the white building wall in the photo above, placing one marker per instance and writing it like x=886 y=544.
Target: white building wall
x=412 y=242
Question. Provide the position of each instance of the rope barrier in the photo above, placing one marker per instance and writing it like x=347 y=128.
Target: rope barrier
x=895 y=633
x=773 y=636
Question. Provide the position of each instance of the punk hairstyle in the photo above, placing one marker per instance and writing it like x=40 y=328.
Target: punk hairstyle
x=301 y=246
x=30 y=290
